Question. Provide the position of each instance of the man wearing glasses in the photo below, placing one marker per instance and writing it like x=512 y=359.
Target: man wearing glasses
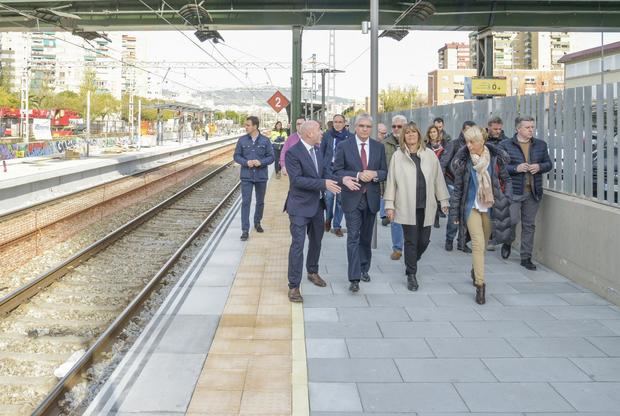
x=360 y=166
x=391 y=145
x=290 y=142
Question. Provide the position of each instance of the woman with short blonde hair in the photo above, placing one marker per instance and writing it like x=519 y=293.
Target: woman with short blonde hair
x=481 y=197
x=414 y=184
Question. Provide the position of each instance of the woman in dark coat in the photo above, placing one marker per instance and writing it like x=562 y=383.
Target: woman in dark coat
x=481 y=198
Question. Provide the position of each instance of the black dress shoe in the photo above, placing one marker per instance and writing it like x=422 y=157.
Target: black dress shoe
x=385 y=221
x=465 y=249
x=365 y=277
x=354 y=286
x=527 y=263
x=412 y=283
x=244 y=236
x=259 y=229
x=449 y=245
x=436 y=223
x=506 y=250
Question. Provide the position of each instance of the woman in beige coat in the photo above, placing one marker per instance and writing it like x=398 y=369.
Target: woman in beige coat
x=414 y=184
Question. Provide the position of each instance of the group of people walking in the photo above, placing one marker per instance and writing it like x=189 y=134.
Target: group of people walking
x=484 y=182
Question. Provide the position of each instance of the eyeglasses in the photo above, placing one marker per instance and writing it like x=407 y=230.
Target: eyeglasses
x=364 y=126
x=395 y=126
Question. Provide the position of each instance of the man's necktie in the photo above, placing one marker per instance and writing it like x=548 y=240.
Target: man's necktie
x=313 y=156
x=364 y=157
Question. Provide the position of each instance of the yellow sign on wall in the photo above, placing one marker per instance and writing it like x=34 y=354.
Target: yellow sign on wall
x=488 y=86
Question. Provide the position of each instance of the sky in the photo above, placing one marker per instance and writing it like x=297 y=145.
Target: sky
x=403 y=63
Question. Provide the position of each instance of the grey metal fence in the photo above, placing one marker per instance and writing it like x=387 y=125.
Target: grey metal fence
x=580 y=125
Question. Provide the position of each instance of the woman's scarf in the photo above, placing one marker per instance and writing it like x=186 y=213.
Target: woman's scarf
x=485 y=187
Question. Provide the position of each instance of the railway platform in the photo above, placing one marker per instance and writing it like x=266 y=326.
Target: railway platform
x=29 y=181
x=227 y=341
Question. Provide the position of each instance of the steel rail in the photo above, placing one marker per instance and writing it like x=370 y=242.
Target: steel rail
x=49 y=406
x=19 y=296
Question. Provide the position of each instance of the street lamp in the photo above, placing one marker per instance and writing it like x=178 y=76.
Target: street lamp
x=323 y=71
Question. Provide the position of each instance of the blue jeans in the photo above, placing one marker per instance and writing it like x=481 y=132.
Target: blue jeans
x=451 y=227
x=246 y=202
x=397 y=236
x=329 y=207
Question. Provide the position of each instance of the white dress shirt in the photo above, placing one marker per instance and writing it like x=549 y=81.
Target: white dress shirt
x=311 y=149
x=366 y=148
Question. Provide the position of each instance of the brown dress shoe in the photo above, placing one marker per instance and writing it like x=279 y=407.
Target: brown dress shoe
x=294 y=295
x=316 y=279
x=339 y=233
x=396 y=255
x=328 y=225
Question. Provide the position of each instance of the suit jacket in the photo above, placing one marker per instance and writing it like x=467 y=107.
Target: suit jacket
x=304 y=197
x=349 y=163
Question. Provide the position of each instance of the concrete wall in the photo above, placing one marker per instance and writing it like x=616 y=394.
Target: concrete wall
x=580 y=239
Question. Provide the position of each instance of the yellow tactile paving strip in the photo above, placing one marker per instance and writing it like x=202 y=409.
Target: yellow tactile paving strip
x=257 y=362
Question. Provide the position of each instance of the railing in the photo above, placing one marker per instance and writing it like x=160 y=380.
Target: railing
x=576 y=123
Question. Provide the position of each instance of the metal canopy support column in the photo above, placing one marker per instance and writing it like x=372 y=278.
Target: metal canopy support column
x=296 y=77
x=485 y=53
x=374 y=79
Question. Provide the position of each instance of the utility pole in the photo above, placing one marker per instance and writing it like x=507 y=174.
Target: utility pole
x=331 y=79
x=88 y=123
x=139 y=123
x=24 y=87
x=314 y=86
x=130 y=112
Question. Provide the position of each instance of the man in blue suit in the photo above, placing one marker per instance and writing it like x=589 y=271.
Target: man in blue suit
x=362 y=160
x=254 y=153
x=309 y=178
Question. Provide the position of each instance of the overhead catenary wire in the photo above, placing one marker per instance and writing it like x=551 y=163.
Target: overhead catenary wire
x=199 y=47
x=22 y=13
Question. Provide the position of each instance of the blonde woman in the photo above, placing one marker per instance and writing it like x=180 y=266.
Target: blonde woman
x=482 y=193
x=414 y=184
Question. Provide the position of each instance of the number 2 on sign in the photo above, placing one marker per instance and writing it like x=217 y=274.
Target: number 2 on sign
x=278 y=102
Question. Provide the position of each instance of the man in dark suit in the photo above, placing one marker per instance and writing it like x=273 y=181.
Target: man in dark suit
x=309 y=178
x=360 y=160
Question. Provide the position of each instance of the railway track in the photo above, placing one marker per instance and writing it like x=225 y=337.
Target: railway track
x=81 y=305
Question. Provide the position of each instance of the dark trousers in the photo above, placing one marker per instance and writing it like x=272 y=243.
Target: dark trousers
x=417 y=238
x=246 y=202
x=451 y=228
x=360 y=223
x=300 y=226
x=524 y=209
x=276 y=164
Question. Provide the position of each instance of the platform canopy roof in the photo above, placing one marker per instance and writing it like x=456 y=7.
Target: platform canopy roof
x=110 y=15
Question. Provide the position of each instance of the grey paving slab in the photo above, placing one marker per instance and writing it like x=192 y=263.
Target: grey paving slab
x=464 y=313
x=500 y=275
x=613 y=325
x=470 y=414
x=545 y=287
x=591 y=397
x=335 y=397
x=571 y=328
x=555 y=347
x=388 y=348
x=450 y=370
x=342 y=330
x=535 y=369
x=425 y=288
x=514 y=313
x=574 y=414
x=410 y=397
x=462 y=299
x=417 y=329
x=370 y=314
x=320 y=314
x=196 y=333
x=333 y=301
x=360 y=414
x=471 y=347
x=583 y=299
x=492 y=288
x=494 y=329
x=213 y=275
x=224 y=257
x=582 y=312
x=165 y=384
x=411 y=299
x=353 y=370
x=205 y=300
x=532 y=299
x=512 y=397
x=308 y=288
x=599 y=369
x=609 y=345
x=372 y=287
x=326 y=348
x=148 y=414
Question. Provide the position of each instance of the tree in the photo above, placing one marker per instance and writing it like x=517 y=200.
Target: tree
x=102 y=104
x=68 y=100
x=399 y=98
x=8 y=99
